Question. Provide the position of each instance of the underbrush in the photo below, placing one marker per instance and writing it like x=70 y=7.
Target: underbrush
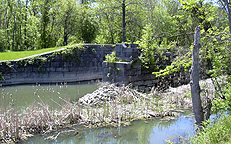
x=215 y=132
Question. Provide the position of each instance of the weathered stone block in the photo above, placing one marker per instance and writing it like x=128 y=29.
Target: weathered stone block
x=70 y=75
x=56 y=64
x=138 y=83
x=131 y=72
x=67 y=64
x=50 y=69
x=33 y=75
x=36 y=69
x=28 y=69
x=7 y=76
x=46 y=65
x=43 y=76
x=156 y=81
x=22 y=75
x=122 y=65
x=56 y=75
x=148 y=83
x=61 y=69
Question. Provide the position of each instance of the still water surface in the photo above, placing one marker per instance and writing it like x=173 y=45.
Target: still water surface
x=24 y=95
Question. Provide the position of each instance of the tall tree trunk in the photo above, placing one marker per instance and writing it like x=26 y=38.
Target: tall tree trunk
x=7 y=29
x=45 y=21
x=25 y=31
x=124 y=24
x=195 y=88
x=65 y=32
x=13 y=37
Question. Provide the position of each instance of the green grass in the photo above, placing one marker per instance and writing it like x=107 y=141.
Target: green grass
x=213 y=133
x=13 y=55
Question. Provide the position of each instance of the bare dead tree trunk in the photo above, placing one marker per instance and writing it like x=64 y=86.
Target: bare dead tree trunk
x=195 y=87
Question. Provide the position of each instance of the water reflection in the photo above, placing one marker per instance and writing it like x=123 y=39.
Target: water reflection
x=54 y=95
x=140 y=132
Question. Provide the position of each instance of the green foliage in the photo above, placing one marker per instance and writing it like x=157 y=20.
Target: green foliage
x=37 y=24
x=29 y=25
x=1 y=77
x=187 y=95
x=222 y=104
x=213 y=48
x=214 y=54
x=217 y=54
x=179 y=62
x=88 y=26
x=152 y=52
x=149 y=50
x=111 y=58
x=199 y=12
x=214 y=132
x=215 y=59
x=110 y=20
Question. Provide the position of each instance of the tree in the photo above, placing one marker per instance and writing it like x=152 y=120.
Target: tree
x=167 y=18
x=120 y=20
x=226 y=6
x=25 y=26
x=66 y=17
x=195 y=87
x=124 y=23
x=45 y=31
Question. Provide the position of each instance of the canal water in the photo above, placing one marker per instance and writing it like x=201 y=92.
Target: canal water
x=155 y=131
x=24 y=95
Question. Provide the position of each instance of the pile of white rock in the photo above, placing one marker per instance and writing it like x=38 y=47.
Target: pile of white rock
x=105 y=93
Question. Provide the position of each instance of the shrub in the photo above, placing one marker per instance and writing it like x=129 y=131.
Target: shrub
x=214 y=132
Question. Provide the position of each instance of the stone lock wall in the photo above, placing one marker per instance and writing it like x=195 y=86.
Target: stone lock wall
x=59 y=66
x=131 y=72
x=87 y=64
x=120 y=72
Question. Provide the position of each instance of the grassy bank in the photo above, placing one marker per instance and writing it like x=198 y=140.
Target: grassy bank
x=13 y=55
x=215 y=132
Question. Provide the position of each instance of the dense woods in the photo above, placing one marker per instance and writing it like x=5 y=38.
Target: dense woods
x=36 y=24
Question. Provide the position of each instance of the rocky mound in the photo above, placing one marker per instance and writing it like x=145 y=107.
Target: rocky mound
x=108 y=93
